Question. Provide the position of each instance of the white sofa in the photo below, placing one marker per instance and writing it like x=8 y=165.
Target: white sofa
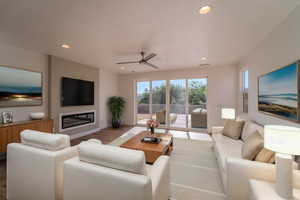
x=236 y=171
x=35 y=166
x=110 y=173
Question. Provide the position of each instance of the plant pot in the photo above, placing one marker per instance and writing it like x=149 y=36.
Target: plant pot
x=116 y=123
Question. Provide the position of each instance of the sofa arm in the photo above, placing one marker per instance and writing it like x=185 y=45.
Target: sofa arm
x=160 y=178
x=217 y=129
x=240 y=171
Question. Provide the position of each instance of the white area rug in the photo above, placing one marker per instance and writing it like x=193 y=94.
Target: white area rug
x=194 y=170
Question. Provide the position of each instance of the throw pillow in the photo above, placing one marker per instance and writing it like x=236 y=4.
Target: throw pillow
x=265 y=155
x=272 y=160
x=252 y=146
x=233 y=129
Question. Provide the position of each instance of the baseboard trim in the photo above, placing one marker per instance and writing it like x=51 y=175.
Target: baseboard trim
x=85 y=133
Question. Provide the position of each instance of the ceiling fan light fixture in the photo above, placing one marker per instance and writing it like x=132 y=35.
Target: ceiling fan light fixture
x=204 y=10
x=122 y=68
x=203 y=58
x=144 y=60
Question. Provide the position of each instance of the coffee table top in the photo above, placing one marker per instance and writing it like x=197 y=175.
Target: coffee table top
x=135 y=142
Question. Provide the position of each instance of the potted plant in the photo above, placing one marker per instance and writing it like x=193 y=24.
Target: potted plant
x=116 y=106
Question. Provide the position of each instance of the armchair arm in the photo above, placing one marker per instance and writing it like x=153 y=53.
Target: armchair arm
x=217 y=129
x=62 y=156
x=160 y=178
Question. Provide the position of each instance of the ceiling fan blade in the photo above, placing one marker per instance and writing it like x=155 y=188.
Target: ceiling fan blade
x=149 y=56
x=130 y=62
x=151 y=65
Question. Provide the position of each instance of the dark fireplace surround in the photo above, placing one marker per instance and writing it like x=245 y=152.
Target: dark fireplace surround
x=76 y=120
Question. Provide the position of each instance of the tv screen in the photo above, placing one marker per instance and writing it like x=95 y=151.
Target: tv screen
x=20 y=87
x=77 y=92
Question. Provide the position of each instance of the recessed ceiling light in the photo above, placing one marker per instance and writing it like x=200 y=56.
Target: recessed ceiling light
x=122 y=68
x=66 y=46
x=204 y=10
x=203 y=58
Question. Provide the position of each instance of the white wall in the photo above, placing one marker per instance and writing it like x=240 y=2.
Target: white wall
x=108 y=87
x=17 y=57
x=222 y=88
x=280 y=48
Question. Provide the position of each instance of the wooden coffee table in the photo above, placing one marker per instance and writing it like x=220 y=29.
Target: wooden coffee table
x=152 y=151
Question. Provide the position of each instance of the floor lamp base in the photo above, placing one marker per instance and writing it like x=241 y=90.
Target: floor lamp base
x=284 y=175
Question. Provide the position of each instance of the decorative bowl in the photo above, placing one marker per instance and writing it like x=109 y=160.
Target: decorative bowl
x=37 y=115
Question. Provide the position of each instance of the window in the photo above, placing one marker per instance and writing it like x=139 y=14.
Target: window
x=245 y=87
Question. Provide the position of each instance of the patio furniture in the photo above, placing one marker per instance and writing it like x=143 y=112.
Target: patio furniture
x=199 y=118
x=161 y=117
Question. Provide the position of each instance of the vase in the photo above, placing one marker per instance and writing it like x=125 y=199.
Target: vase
x=152 y=130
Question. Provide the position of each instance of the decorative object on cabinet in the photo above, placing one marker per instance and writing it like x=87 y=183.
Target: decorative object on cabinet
x=7 y=117
x=37 y=115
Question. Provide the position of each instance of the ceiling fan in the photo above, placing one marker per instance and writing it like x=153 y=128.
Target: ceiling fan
x=144 y=60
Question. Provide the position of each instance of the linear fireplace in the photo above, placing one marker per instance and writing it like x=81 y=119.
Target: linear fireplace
x=76 y=120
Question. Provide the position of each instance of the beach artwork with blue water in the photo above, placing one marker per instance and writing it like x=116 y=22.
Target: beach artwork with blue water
x=278 y=92
x=20 y=87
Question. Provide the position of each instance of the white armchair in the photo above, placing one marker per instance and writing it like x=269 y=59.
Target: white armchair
x=35 y=166
x=110 y=173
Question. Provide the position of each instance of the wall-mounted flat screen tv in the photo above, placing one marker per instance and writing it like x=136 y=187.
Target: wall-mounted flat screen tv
x=77 y=92
x=278 y=93
x=20 y=87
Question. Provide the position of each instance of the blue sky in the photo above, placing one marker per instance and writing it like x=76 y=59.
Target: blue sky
x=19 y=78
x=282 y=81
x=146 y=85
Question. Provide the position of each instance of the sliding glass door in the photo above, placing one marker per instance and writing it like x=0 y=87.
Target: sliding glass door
x=158 y=105
x=197 y=99
x=176 y=104
x=143 y=102
x=177 y=116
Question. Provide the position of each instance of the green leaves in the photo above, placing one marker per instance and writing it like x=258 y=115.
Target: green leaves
x=116 y=106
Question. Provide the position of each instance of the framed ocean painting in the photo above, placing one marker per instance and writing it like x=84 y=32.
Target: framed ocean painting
x=20 y=87
x=278 y=93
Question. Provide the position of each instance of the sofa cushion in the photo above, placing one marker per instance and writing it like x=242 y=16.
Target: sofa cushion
x=51 y=142
x=113 y=157
x=233 y=129
x=249 y=128
x=252 y=146
x=265 y=155
x=226 y=147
